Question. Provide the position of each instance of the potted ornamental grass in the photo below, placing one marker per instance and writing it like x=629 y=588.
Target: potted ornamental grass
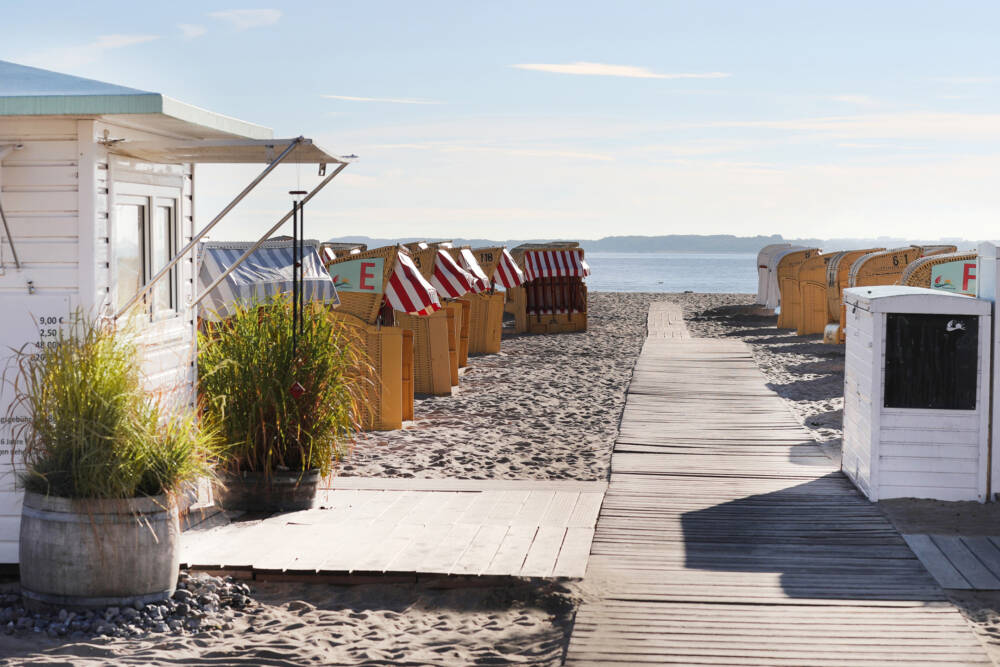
x=286 y=408
x=102 y=467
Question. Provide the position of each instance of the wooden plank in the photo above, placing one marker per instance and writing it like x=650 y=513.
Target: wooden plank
x=575 y=553
x=560 y=510
x=986 y=551
x=973 y=571
x=443 y=557
x=513 y=551
x=480 y=551
x=544 y=551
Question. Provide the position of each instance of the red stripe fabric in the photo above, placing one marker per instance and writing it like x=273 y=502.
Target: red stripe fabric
x=555 y=263
x=508 y=273
x=407 y=290
x=449 y=278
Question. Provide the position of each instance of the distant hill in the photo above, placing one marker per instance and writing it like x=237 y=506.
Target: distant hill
x=681 y=242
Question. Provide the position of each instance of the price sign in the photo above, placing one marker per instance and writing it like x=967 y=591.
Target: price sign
x=29 y=322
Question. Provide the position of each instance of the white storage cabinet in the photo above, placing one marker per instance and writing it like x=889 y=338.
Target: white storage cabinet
x=916 y=393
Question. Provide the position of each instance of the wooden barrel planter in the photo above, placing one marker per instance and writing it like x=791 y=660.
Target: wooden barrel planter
x=98 y=553
x=274 y=491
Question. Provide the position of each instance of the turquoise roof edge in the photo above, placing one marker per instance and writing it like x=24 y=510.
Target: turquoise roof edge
x=111 y=105
x=87 y=105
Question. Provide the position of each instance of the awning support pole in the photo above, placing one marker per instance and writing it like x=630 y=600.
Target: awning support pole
x=266 y=236
x=194 y=242
x=4 y=152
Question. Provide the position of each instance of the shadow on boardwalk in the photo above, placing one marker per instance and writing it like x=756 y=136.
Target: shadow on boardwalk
x=824 y=541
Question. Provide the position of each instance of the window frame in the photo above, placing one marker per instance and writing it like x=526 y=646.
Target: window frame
x=151 y=198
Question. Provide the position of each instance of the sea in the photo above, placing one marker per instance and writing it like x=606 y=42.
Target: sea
x=672 y=272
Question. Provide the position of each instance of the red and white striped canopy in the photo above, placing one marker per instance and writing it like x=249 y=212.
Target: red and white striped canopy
x=407 y=290
x=508 y=273
x=469 y=263
x=553 y=263
x=449 y=279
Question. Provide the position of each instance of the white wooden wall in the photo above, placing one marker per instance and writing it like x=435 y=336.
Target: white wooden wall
x=859 y=419
x=58 y=194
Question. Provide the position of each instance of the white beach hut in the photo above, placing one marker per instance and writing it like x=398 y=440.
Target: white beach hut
x=764 y=279
x=916 y=393
x=97 y=192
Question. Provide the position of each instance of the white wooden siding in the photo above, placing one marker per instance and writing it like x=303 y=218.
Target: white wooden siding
x=38 y=184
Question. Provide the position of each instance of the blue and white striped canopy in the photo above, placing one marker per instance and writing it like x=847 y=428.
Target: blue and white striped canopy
x=266 y=273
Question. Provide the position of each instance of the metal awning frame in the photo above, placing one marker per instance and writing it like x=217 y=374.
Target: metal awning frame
x=193 y=243
x=252 y=249
x=6 y=150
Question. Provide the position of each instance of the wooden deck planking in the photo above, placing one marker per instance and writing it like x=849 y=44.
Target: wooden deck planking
x=395 y=527
x=958 y=562
x=727 y=538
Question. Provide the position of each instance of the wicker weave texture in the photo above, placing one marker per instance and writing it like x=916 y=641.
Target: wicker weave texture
x=918 y=273
x=464 y=325
x=788 y=285
x=366 y=306
x=454 y=313
x=485 y=323
x=489 y=259
x=836 y=279
x=384 y=402
x=431 y=363
x=406 y=381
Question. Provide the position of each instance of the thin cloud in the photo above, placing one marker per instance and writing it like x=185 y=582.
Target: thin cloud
x=447 y=147
x=191 y=31
x=71 y=57
x=858 y=100
x=627 y=71
x=386 y=100
x=965 y=80
x=244 y=19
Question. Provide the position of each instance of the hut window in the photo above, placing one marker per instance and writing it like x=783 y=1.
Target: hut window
x=162 y=248
x=145 y=236
x=129 y=266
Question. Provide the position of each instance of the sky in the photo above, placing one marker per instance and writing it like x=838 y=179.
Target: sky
x=513 y=120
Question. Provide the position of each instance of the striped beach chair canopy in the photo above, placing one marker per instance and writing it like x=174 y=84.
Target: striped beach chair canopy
x=265 y=274
x=508 y=273
x=467 y=259
x=555 y=263
x=446 y=275
x=407 y=291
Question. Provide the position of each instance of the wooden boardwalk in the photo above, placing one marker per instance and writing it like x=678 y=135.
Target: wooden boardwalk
x=727 y=538
x=409 y=527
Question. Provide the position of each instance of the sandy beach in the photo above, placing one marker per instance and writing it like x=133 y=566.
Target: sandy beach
x=548 y=407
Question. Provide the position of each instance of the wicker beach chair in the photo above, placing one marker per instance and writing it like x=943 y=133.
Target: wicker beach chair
x=812 y=293
x=885 y=268
x=921 y=273
x=438 y=338
x=389 y=349
x=486 y=308
x=837 y=271
x=553 y=298
x=788 y=285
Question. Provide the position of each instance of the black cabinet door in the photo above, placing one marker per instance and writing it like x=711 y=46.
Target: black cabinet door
x=931 y=361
